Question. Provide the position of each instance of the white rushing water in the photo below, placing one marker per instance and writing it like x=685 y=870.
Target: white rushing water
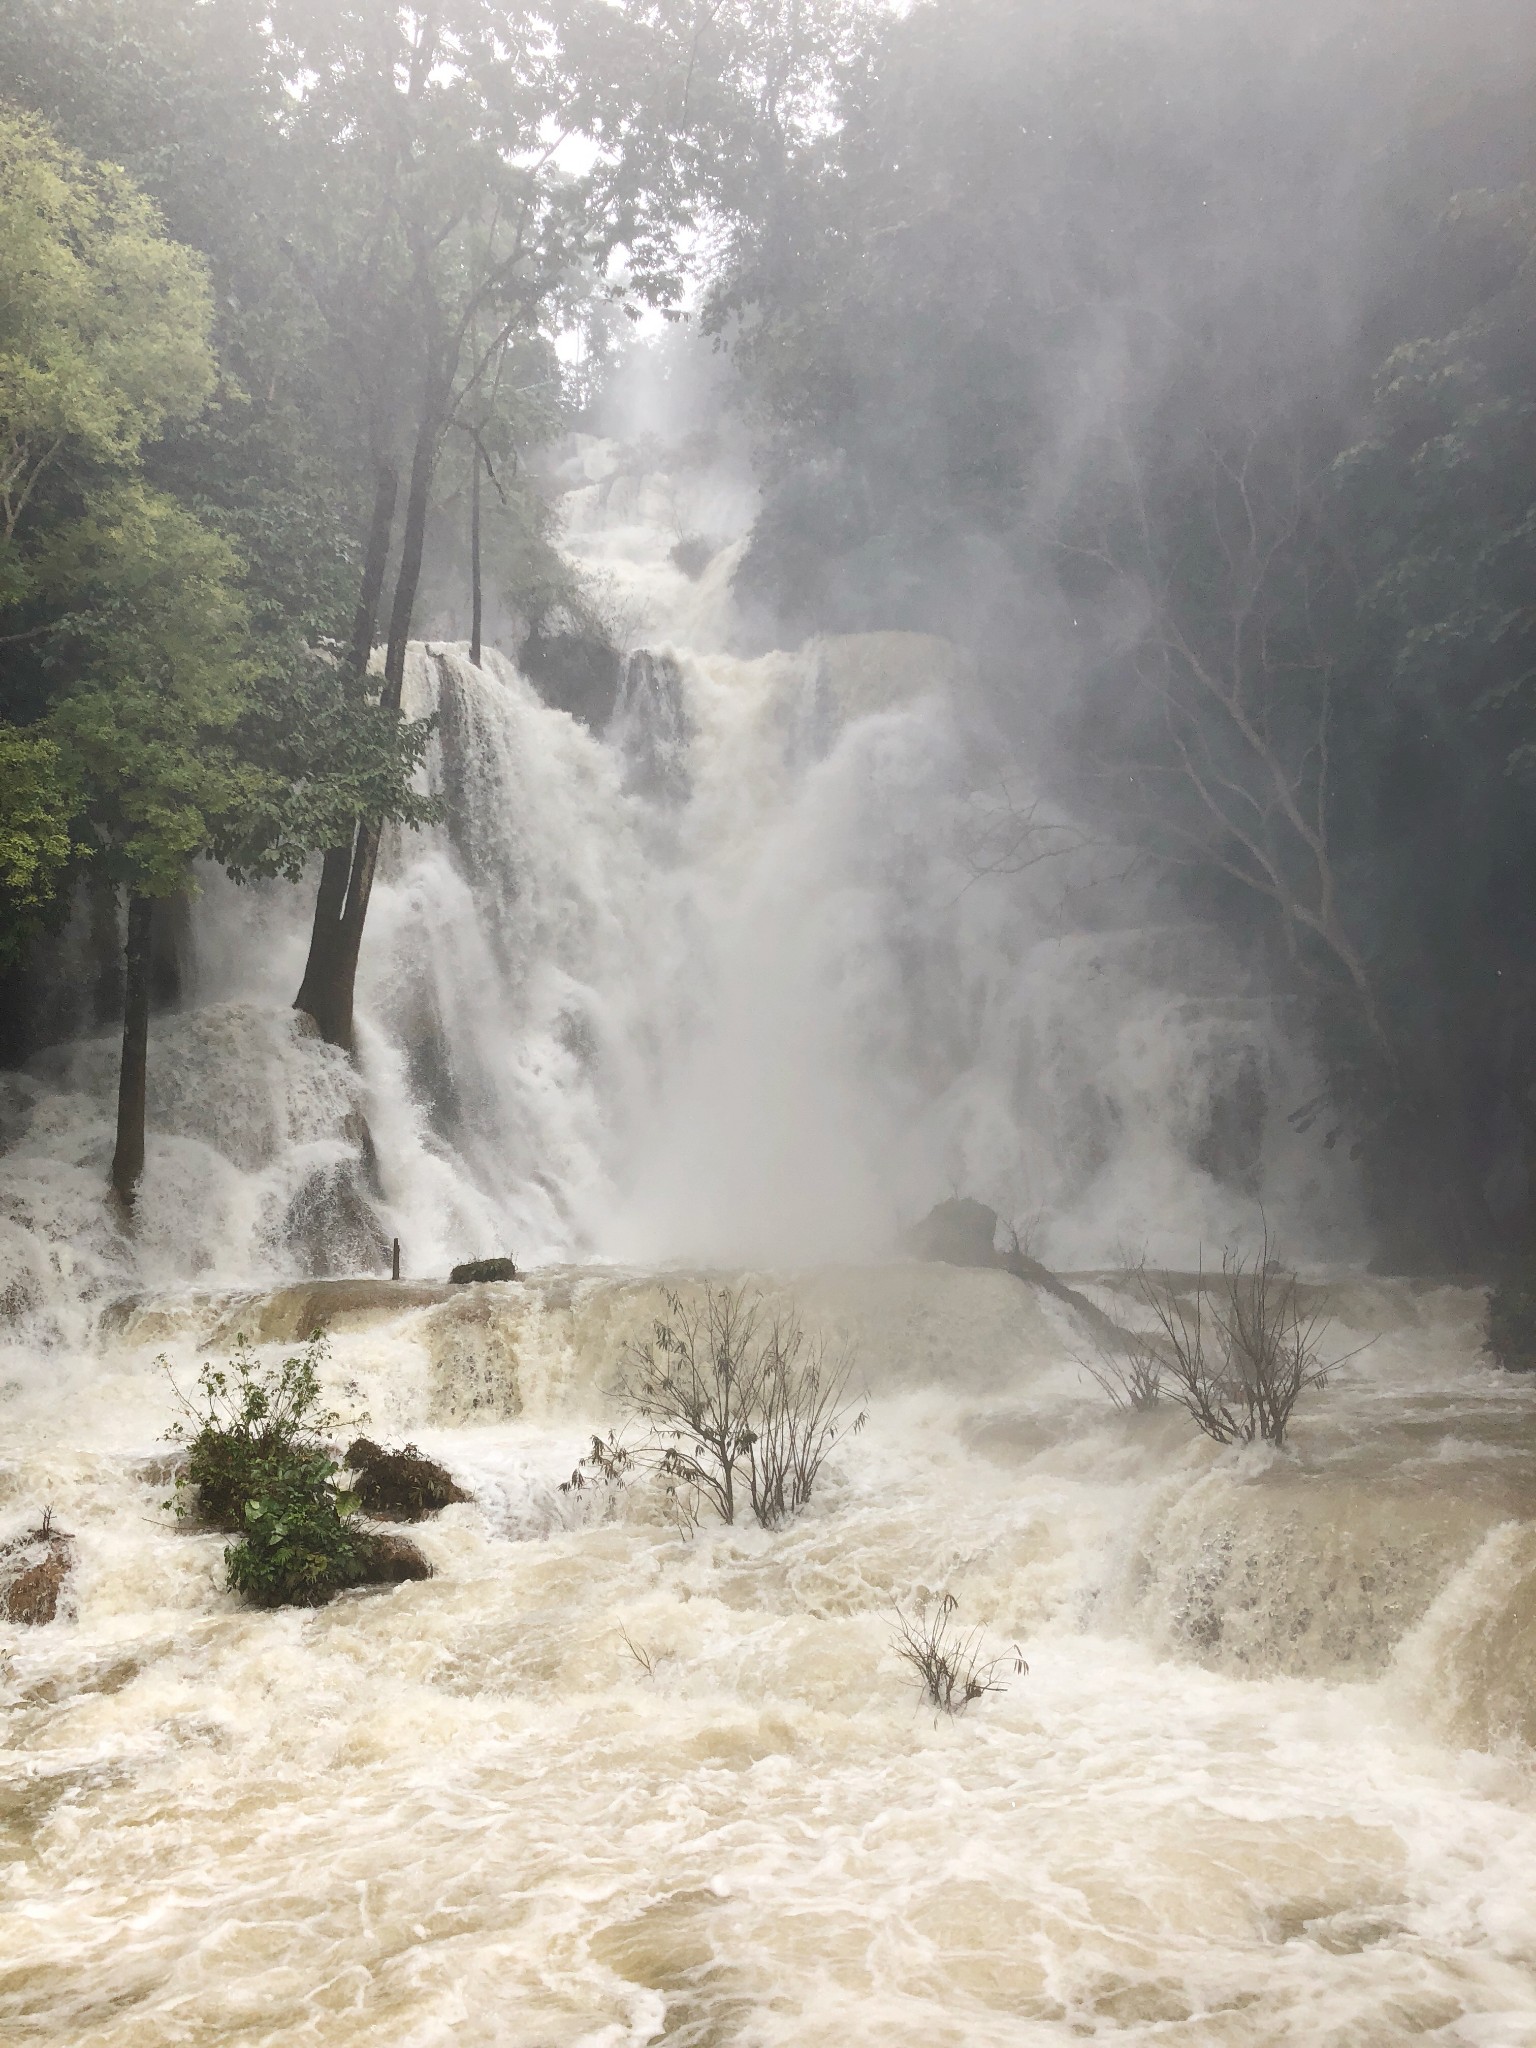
x=1266 y=1780
x=720 y=981
x=720 y=984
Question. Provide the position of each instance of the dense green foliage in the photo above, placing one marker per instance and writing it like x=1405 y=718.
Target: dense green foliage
x=124 y=629
x=246 y=1420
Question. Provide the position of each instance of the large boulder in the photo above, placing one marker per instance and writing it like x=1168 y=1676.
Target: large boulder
x=392 y=1561
x=959 y=1232
x=482 y=1269
x=33 y=1570
x=400 y=1486
x=574 y=671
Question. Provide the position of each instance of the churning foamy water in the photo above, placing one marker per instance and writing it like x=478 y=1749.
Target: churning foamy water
x=724 y=981
x=1266 y=1780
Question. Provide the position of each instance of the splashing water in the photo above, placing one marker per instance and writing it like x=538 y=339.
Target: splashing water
x=598 y=1784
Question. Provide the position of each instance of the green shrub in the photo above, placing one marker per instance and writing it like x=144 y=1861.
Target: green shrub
x=260 y=1465
x=300 y=1545
x=1511 y=1329
x=249 y=1425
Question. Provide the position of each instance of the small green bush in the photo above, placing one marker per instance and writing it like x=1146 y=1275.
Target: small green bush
x=1511 y=1329
x=248 y=1425
x=259 y=1465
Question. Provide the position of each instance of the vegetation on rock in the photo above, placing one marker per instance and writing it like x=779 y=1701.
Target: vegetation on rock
x=34 y=1568
x=482 y=1269
x=259 y=1465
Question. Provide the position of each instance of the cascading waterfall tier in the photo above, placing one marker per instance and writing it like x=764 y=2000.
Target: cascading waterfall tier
x=721 y=980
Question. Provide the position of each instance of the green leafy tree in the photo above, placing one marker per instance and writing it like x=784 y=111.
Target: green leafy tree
x=37 y=804
x=124 y=625
x=259 y=1466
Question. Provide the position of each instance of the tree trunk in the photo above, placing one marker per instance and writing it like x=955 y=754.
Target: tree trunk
x=412 y=544
x=315 y=991
x=476 y=605
x=336 y=981
x=324 y=992
x=128 y=1158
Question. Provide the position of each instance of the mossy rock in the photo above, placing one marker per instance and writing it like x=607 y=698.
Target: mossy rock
x=482 y=1269
x=400 y=1486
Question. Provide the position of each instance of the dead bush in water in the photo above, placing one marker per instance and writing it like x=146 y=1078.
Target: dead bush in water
x=950 y=1660
x=1243 y=1351
x=738 y=1405
x=1132 y=1377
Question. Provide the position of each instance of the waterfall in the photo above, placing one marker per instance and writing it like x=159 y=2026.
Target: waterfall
x=720 y=980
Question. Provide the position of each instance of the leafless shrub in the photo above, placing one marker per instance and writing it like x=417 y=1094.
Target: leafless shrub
x=950 y=1660
x=641 y=1656
x=739 y=1405
x=1023 y=1235
x=1131 y=1376
x=1241 y=1352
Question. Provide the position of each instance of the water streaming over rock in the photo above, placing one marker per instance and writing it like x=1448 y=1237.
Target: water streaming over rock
x=717 y=983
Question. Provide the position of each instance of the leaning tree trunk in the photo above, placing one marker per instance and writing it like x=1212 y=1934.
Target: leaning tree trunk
x=476 y=595
x=324 y=992
x=344 y=940
x=128 y=1157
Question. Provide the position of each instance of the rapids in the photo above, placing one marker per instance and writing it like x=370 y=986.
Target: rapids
x=1266 y=1781
x=732 y=980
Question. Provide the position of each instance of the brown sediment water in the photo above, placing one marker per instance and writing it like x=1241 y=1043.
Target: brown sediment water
x=1269 y=1778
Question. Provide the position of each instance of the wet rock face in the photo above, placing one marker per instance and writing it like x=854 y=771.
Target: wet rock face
x=956 y=1233
x=392 y=1560
x=575 y=672
x=330 y=1224
x=652 y=727
x=400 y=1486
x=34 y=1569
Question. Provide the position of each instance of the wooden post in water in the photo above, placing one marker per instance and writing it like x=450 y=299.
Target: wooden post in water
x=394 y=1267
